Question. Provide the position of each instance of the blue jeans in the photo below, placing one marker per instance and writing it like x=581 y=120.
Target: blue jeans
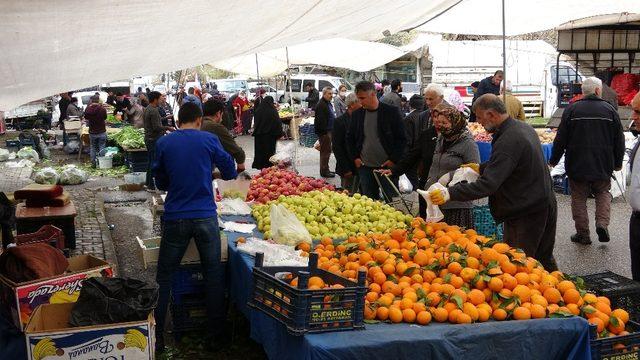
x=369 y=186
x=176 y=235
x=151 y=157
x=97 y=143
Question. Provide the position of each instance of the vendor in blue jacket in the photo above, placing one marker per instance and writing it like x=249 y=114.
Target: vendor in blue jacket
x=184 y=166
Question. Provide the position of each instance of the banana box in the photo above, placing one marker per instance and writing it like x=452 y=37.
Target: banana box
x=49 y=337
x=21 y=299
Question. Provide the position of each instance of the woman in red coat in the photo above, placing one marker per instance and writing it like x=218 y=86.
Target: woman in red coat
x=242 y=107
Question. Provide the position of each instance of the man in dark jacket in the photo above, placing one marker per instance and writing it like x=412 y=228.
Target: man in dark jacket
x=376 y=139
x=153 y=130
x=96 y=116
x=323 y=124
x=313 y=96
x=590 y=135
x=488 y=85
x=413 y=129
x=393 y=97
x=516 y=179
x=344 y=164
x=212 y=122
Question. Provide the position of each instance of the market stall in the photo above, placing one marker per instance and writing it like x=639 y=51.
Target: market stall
x=562 y=338
x=483 y=140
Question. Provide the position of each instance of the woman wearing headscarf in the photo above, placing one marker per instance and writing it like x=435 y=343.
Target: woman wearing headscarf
x=267 y=129
x=242 y=107
x=454 y=147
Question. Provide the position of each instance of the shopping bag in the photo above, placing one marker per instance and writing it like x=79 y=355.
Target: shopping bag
x=404 y=185
x=286 y=228
x=434 y=214
x=105 y=300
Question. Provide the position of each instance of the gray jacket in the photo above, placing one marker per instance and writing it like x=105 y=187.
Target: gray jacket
x=392 y=98
x=447 y=160
x=634 y=187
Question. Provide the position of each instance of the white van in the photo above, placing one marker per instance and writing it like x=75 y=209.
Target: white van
x=319 y=81
x=84 y=98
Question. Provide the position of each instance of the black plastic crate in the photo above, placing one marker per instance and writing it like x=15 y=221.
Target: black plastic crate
x=624 y=293
x=136 y=156
x=187 y=279
x=12 y=143
x=190 y=314
x=617 y=347
x=308 y=311
x=138 y=167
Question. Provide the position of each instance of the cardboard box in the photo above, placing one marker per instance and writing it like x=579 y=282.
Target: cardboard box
x=49 y=337
x=150 y=250
x=21 y=299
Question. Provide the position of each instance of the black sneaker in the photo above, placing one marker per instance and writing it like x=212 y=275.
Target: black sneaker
x=581 y=239
x=603 y=234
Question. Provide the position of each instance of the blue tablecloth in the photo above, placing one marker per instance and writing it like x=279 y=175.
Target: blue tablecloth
x=533 y=339
x=485 y=151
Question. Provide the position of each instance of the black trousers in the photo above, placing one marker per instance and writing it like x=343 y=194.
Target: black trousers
x=634 y=244
x=422 y=203
x=535 y=234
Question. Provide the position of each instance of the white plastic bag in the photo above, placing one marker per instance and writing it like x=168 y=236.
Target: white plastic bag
x=27 y=153
x=434 y=214
x=283 y=155
x=404 y=185
x=286 y=228
x=47 y=175
x=71 y=175
x=4 y=154
x=464 y=174
x=233 y=206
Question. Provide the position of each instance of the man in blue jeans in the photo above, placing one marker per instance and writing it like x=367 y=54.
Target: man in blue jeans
x=375 y=140
x=183 y=166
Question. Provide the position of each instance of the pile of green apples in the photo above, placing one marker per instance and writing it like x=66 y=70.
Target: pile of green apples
x=333 y=214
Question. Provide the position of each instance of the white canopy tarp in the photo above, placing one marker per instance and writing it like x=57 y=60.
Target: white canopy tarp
x=484 y=17
x=49 y=47
x=349 y=54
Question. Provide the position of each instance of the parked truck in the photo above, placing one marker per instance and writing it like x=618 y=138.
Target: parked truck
x=532 y=69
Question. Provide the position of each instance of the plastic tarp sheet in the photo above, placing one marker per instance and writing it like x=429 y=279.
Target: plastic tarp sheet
x=484 y=17
x=344 y=53
x=560 y=338
x=49 y=47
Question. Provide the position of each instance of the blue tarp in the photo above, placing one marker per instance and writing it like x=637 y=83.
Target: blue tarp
x=485 y=151
x=534 y=339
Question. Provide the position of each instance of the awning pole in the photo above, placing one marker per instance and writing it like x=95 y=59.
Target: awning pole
x=257 y=68
x=293 y=127
x=504 y=55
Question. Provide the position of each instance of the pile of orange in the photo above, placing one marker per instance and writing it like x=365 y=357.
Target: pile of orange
x=436 y=272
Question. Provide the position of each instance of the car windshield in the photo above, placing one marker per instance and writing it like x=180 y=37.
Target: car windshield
x=231 y=85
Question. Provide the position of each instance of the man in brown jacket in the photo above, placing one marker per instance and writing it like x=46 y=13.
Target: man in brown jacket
x=212 y=123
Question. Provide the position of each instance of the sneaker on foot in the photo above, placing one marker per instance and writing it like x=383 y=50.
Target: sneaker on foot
x=603 y=234
x=581 y=239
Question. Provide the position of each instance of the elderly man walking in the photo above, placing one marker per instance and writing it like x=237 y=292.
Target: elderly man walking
x=634 y=196
x=590 y=136
x=323 y=125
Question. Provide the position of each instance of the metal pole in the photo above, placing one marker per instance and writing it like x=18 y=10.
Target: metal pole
x=293 y=127
x=504 y=55
x=257 y=68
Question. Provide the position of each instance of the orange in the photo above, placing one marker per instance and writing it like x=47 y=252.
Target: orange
x=372 y=296
x=463 y=318
x=454 y=268
x=483 y=314
x=406 y=303
x=538 y=311
x=380 y=256
x=456 y=281
x=489 y=255
x=573 y=308
x=467 y=274
x=565 y=285
x=418 y=307
x=553 y=308
x=499 y=314
x=364 y=258
x=604 y=299
x=453 y=315
x=509 y=281
x=461 y=294
x=570 y=295
x=476 y=297
x=369 y=312
x=522 y=292
x=388 y=269
x=590 y=298
x=421 y=258
x=598 y=322
x=521 y=313
x=410 y=295
x=539 y=300
x=395 y=314
x=522 y=278
x=621 y=315
x=495 y=284
x=423 y=318
x=552 y=295
x=616 y=326
x=601 y=306
x=379 y=278
x=382 y=313
x=509 y=267
x=470 y=310
x=501 y=247
x=385 y=301
x=408 y=315
x=316 y=282
x=440 y=314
